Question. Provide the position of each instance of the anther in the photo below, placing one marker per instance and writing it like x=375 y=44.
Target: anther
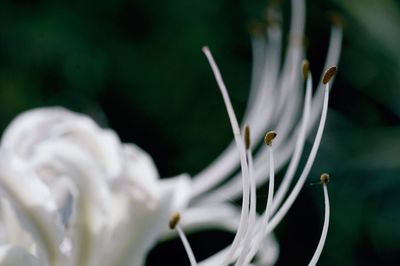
x=256 y=28
x=324 y=178
x=269 y=137
x=174 y=220
x=329 y=74
x=306 y=68
x=336 y=19
x=247 y=137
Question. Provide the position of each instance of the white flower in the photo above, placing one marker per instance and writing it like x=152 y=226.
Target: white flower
x=73 y=194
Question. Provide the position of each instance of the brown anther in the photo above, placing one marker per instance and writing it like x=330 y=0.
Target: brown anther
x=324 y=178
x=174 y=220
x=305 y=68
x=247 y=137
x=329 y=74
x=336 y=19
x=256 y=28
x=269 y=137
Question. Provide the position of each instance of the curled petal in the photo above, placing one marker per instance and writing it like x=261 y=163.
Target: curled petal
x=33 y=204
x=33 y=128
x=141 y=174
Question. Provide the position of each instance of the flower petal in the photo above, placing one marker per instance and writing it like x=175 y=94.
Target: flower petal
x=32 y=128
x=15 y=255
x=33 y=204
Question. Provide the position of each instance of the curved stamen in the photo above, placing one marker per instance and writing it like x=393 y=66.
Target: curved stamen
x=294 y=162
x=321 y=243
x=232 y=188
x=242 y=153
x=174 y=224
x=269 y=137
x=260 y=104
x=253 y=201
x=310 y=161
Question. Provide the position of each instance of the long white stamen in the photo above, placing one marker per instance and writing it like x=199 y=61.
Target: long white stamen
x=232 y=188
x=310 y=161
x=252 y=214
x=242 y=153
x=186 y=244
x=268 y=141
x=332 y=58
x=321 y=243
x=262 y=106
x=270 y=186
x=267 y=213
x=294 y=162
x=174 y=224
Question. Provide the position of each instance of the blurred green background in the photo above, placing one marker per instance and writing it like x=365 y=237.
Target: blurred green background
x=136 y=66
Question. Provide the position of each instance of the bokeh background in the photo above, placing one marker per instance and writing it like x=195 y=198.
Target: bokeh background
x=136 y=66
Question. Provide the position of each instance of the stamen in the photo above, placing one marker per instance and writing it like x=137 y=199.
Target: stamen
x=260 y=104
x=324 y=178
x=310 y=161
x=256 y=28
x=329 y=74
x=337 y=19
x=294 y=162
x=253 y=202
x=269 y=137
x=271 y=180
x=305 y=68
x=242 y=154
x=324 y=181
x=174 y=224
x=267 y=213
x=247 y=137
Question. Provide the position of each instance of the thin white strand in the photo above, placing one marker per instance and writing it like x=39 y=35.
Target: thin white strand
x=297 y=27
x=222 y=167
x=227 y=162
x=286 y=123
x=267 y=213
x=296 y=190
x=186 y=244
x=298 y=18
x=294 y=51
x=242 y=153
x=294 y=162
x=231 y=190
x=252 y=214
x=228 y=190
x=310 y=161
x=325 y=227
x=271 y=186
x=265 y=103
x=258 y=45
x=221 y=216
x=332 y=59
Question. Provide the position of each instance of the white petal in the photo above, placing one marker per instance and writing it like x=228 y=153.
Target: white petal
x=14 y=255
x=137 y=232
x=103 y=145
x=32 y=201
x=32 y=128
x=180 y=189
x=90 y=192
x=14 y=232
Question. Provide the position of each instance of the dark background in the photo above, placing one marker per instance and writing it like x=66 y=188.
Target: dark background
x=136 y=66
